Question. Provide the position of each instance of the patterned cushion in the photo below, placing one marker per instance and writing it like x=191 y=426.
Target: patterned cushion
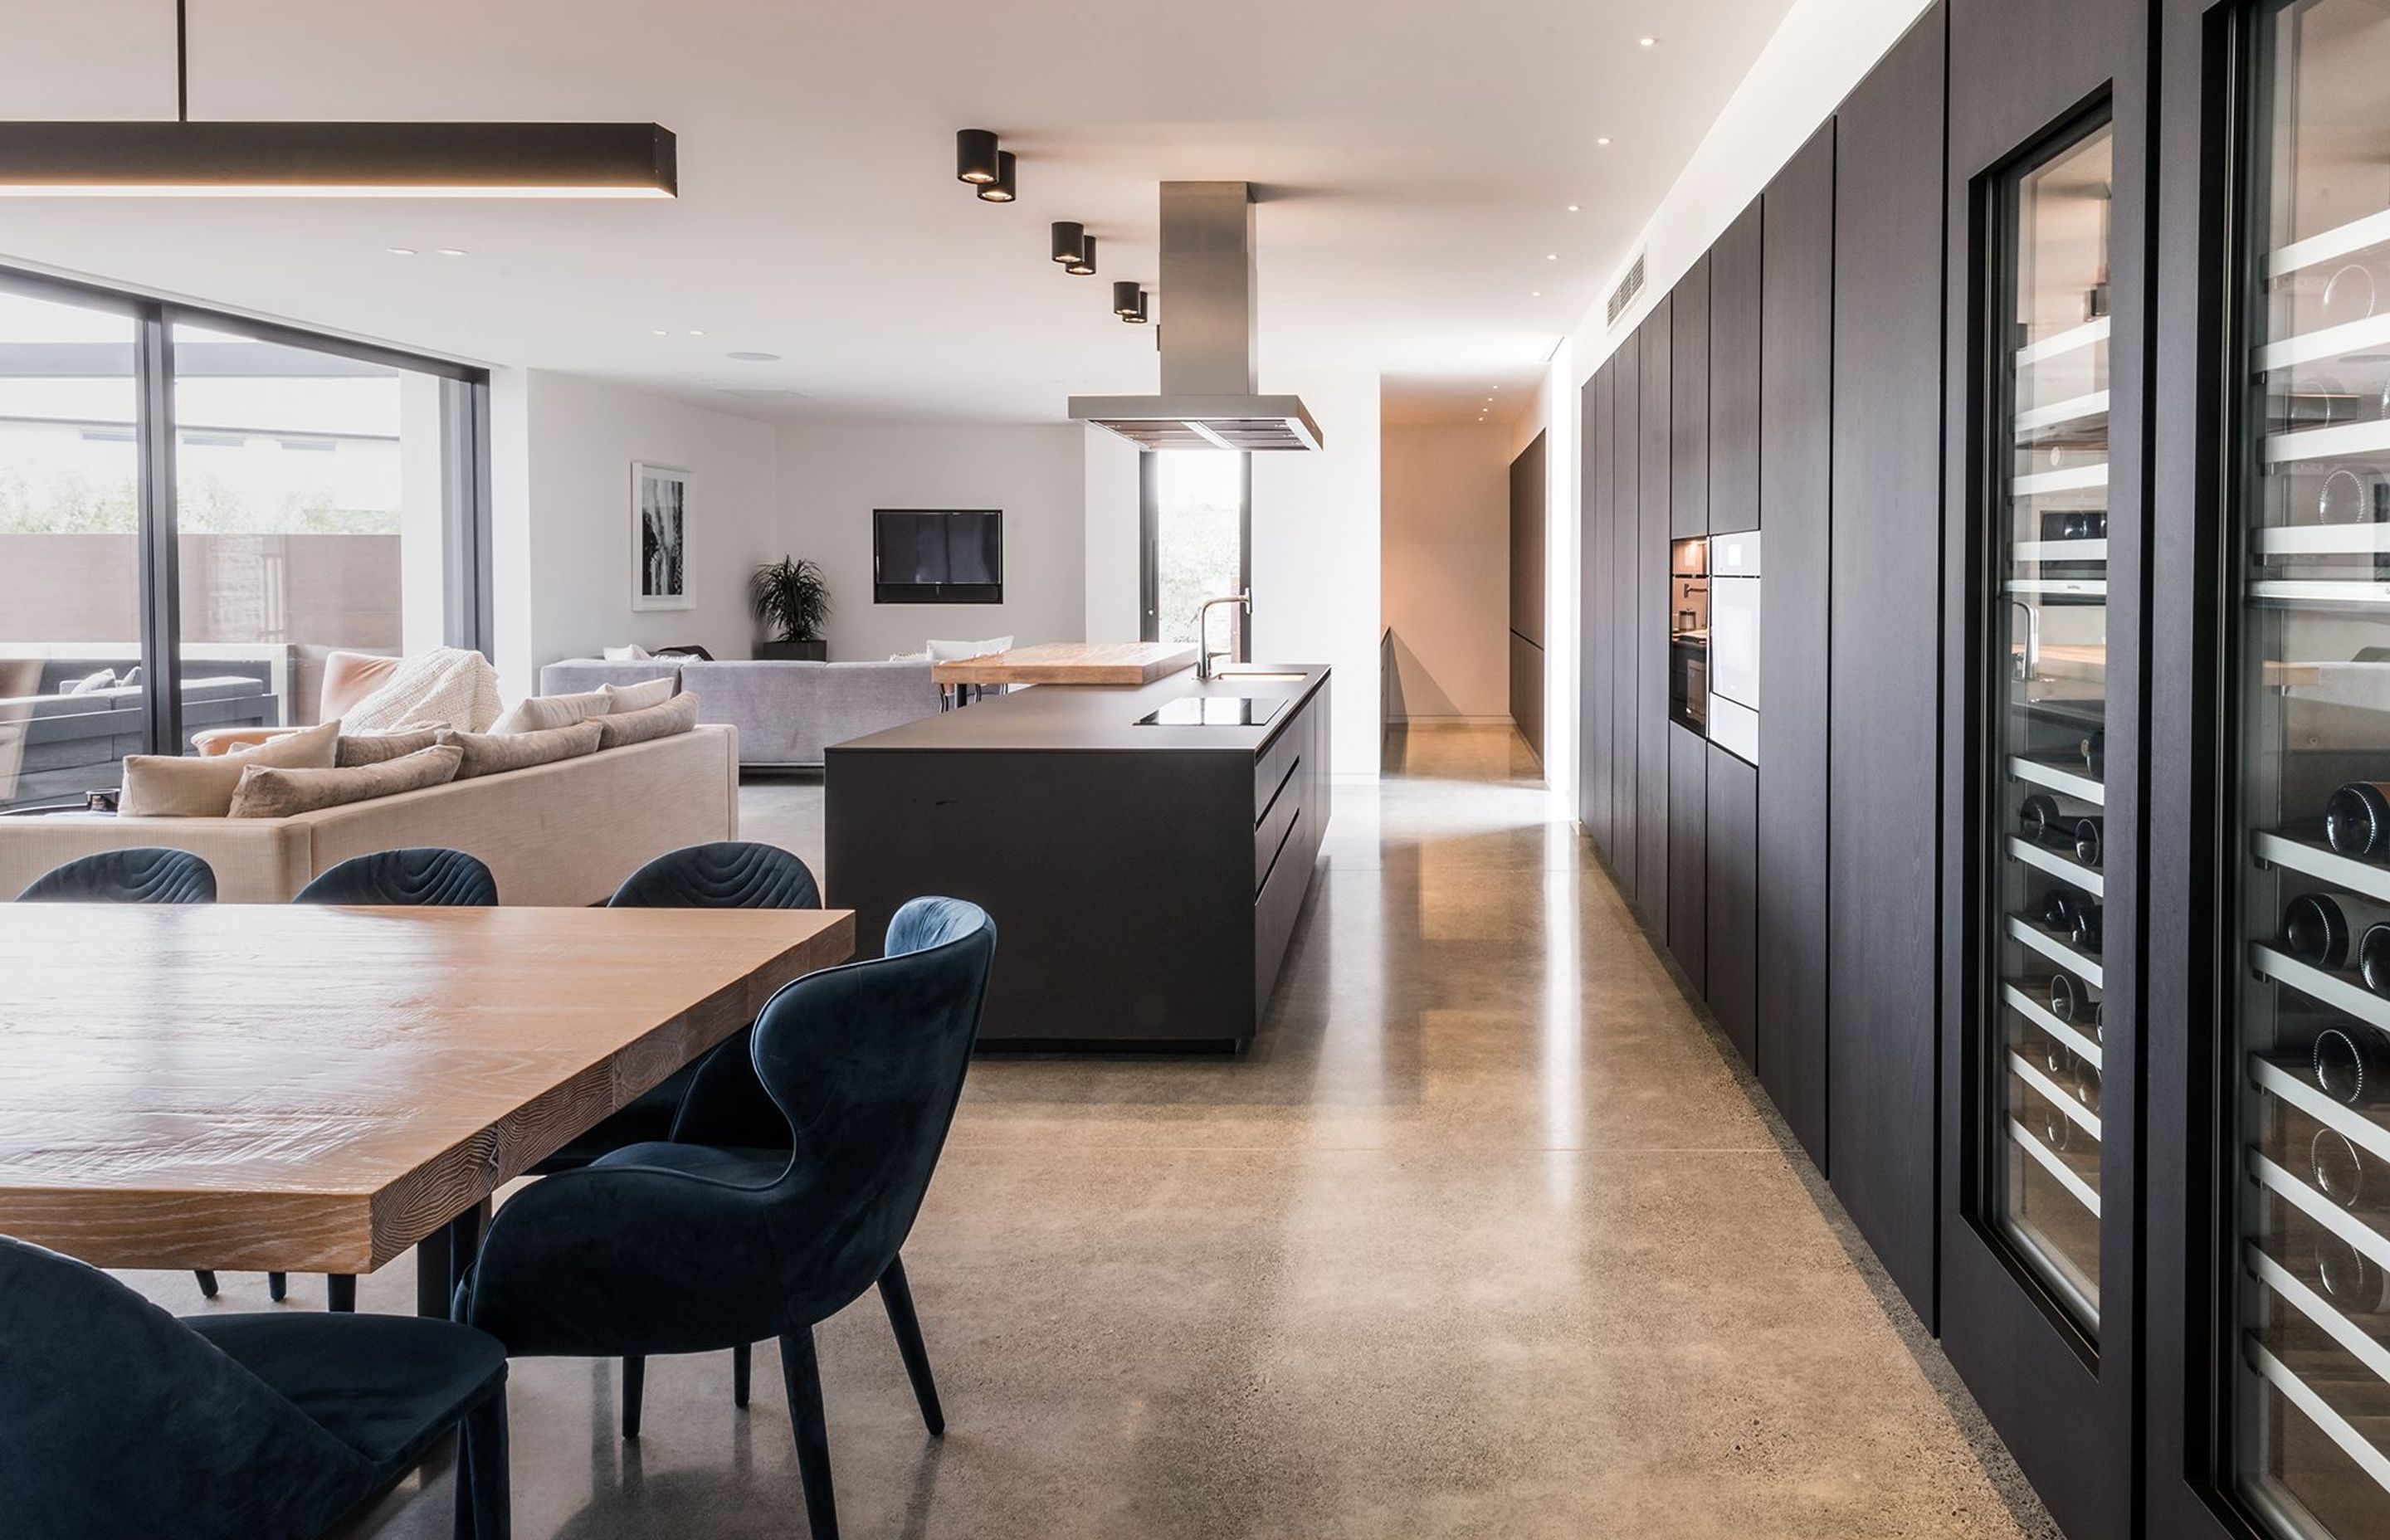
x=265 y=792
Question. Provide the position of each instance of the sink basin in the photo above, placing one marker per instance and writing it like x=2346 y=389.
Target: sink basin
x=1214 y=710
x=1285 y=676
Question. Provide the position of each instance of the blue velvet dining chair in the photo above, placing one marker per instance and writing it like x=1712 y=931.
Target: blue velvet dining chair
x=140 y=874
x=694 y=1248
x=424 y=875
x=120 y=1420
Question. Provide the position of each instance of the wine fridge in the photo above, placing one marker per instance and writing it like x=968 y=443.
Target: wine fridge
x=2038 y=1079
x=2305 y=1382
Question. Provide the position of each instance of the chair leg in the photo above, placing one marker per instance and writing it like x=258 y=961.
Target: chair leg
x=277 y=1286
x=340 y=1290
x=898 y=1298
x=803 y=1373
x=634 y=1388
x=742 y=1372
x=206 y=1283
x=484 y=1508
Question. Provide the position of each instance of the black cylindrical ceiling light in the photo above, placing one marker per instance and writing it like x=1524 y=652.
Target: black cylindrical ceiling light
x=1086 y=263
x=975 y=155
x=1001 y=190
x=1139 y=316
x=1124 y=298
x=1069 y=236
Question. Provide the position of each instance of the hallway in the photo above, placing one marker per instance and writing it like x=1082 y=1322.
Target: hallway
x=1487 y=1237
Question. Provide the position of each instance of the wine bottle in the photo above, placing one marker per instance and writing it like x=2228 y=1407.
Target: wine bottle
x=2373 y=958
x=2058 y=910
x=2321 y=928
x=2357 y=820
x=2086 y=839
x=2095 y=751
x=2350 y=1065
x=2085 y=934
x=2341 y=1175
x=2354 y=1285
x=2066 y=996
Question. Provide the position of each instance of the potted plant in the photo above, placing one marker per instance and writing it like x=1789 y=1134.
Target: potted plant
x=791 y=598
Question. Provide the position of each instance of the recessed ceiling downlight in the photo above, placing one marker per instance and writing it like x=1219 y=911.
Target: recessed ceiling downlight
x=755 y=357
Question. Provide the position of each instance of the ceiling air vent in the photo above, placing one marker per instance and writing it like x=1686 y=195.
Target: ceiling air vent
x=1628 y=287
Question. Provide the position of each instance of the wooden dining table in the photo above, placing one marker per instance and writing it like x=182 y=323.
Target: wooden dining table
x=305 y=1089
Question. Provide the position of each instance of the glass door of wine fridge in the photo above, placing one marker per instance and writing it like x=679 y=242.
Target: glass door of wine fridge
x=2308 y=1390
x=2048 y=735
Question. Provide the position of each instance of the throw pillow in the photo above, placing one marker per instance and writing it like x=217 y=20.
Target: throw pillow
x=640 y=697
x=676 y=715
x=542 y=711
x=449 y=683
x=495 y=753
x=104 y=679
x=373 y=747
x=267 y=793
x=954 y=652
x=175 y=785
x=634 y=653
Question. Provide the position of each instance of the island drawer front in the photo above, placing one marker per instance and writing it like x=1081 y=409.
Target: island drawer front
x=1273 y=765
x=1271 y=832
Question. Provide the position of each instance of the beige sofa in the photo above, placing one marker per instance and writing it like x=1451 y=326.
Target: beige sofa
x=559 y=834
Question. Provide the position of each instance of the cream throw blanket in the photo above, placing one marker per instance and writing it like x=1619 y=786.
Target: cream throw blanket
x=454 y=687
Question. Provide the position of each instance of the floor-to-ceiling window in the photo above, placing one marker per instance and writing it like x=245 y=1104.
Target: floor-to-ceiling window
x=1197 y=519
x=196 y=511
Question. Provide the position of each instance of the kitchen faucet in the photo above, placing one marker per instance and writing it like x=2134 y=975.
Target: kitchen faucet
x=1203 y=653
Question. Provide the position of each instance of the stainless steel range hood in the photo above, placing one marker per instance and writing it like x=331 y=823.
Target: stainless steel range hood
x=1207 y=400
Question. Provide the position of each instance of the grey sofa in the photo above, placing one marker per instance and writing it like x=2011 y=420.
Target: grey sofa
x=785 y=713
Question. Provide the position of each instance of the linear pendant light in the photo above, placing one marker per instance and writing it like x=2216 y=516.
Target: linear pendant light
x=182 y=158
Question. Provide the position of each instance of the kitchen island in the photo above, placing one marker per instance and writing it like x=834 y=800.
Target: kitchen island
x=1145 y=877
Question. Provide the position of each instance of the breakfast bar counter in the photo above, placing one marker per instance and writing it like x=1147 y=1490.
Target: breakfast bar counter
x=1144 y=848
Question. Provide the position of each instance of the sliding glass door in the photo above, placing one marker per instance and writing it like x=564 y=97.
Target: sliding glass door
x=196 y=511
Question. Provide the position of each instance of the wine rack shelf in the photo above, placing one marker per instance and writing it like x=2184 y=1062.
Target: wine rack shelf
x=2321 y=592
x=2329 y=989
x=2323 y=443
x=2076 y=477
x=2371 y=333
x=2064 y=1174
x=2073 y=782
x=2082 y=408
x=2072 y=339
x=2069 y=1106
x=2074 y=588
x=2318 y=1411
x=2279 y=1181
x=2050 y=1022
x=2355 y=236
x=2325 y=540
x=2085 y=968
x=2292 y=1091
x=2064 y=867
x=2323 y=863
x=2294 y=1292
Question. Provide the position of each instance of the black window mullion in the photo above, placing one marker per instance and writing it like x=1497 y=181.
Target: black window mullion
x=161 y=599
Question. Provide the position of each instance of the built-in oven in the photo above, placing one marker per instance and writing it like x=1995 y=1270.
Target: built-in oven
x=1733 y=652
x=1689 y=633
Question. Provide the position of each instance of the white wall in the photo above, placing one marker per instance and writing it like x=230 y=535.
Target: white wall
x=1445 y=568
x=1115 y=496
x=1316 y=553
x=562 y=452
x=831 y=478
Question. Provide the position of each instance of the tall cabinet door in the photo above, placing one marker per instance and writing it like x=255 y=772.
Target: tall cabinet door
x=2277 y=1356
x=1881 y=1049
x=1625 y=617
x=1652 y=629
x=1795 y=450
x=1593 y=641
x=2046 y=539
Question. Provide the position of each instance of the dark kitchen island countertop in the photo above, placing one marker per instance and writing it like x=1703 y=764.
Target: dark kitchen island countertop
x=1145 y=881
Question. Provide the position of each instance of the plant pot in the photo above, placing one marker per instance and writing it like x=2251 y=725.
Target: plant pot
x=788 y=652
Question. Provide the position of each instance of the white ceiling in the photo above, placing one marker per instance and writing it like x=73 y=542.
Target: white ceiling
x=1415 y=160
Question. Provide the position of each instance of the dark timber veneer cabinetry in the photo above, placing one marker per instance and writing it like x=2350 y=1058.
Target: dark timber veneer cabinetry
x=1651 y=631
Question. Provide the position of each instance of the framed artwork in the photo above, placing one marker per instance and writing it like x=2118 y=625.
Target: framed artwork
x=660 y=537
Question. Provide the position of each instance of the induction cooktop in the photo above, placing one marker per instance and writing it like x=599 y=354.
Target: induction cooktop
x=1214 y=710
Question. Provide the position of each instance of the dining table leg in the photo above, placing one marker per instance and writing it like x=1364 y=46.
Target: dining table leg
x=443 y=1258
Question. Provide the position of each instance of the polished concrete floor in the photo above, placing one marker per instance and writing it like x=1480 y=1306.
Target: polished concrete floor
x=1487 y=1236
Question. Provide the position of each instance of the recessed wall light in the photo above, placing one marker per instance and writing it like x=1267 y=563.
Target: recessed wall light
x=755 y=357
x=696 y=334
x=1572 y=208
x=1535 y=293
x=453 y=251
x=1601 y=141
x=1647 y=41
x=659 y=332
x=402 y=250
x=1551 y=256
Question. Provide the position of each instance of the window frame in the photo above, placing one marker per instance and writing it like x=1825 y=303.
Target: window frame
x=1148 y=545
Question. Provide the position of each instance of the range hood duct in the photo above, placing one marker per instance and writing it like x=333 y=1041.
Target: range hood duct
x=1208 y=400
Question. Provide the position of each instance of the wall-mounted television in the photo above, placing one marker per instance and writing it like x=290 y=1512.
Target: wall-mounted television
x=937 y=556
